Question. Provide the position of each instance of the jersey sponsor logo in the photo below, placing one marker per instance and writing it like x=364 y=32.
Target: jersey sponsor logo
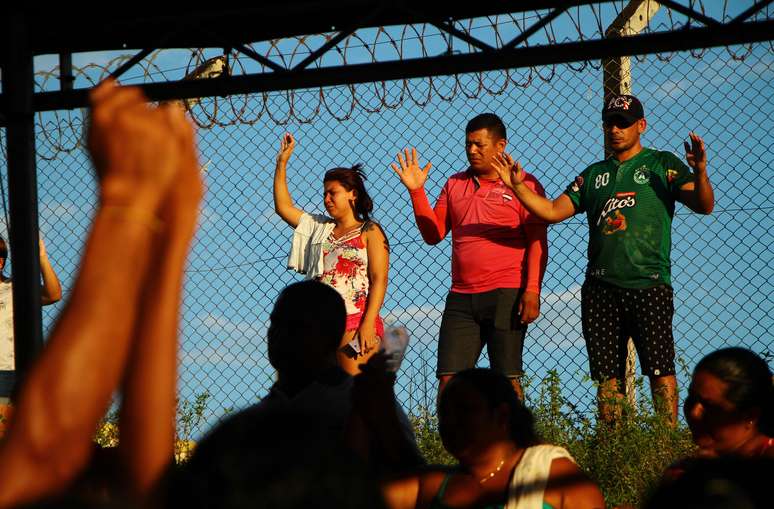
x=615 y=204
x=625 y=195
x=642 y=175
x=671 y=175
x=577 y=184
x=616 y=222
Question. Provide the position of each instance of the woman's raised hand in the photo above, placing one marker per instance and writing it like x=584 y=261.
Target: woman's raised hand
x=287 y=144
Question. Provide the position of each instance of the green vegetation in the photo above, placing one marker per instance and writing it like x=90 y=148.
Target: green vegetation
x=190 y=416
x=626 y=460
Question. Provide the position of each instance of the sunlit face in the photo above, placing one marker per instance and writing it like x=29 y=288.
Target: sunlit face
x=337 y=200
x=466 y=423
x=621 y=135
x=481 y=147
x=716 y=424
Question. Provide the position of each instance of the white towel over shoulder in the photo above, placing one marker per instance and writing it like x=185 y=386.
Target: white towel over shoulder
x=306 y=249
x=528 y=483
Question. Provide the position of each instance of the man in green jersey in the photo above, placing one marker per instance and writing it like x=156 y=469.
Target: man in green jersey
x=629 y=200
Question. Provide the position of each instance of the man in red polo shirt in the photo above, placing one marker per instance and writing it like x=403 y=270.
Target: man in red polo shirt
x=499 y=254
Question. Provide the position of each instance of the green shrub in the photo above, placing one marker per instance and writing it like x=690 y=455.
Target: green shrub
x=190 y=415
x=627 y=458
x=429 y=441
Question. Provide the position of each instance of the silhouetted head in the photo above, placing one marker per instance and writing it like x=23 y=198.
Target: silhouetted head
x=306 y=327
x=477 y=407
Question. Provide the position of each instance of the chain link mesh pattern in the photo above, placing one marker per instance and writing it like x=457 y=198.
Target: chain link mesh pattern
x=722 y=264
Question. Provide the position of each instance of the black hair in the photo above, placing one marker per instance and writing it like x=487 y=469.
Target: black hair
x=496 y=389
x=308 y=321
x=490 y=122
x=749 y=381
x=353 y=179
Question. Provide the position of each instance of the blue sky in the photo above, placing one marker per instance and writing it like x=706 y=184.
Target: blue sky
x=722 y=264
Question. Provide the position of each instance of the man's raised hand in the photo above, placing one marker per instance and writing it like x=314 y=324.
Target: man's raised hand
x=695 y=153
x=412 y=176
x=180 y=207
x=135 y=158
x=510 y=172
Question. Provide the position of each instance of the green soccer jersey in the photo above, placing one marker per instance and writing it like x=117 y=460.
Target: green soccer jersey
x=629 y=206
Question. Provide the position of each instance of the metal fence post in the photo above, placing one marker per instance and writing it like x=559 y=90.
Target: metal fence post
x=22 y=194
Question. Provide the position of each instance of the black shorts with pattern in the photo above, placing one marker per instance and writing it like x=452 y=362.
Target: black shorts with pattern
x=611 y=314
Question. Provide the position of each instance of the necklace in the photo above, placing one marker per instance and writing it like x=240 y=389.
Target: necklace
x=493 y=472
x=336 y=238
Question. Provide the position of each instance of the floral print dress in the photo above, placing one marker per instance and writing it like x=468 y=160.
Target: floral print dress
x=345 y=261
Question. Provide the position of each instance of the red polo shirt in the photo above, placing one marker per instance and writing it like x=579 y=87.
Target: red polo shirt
x=496 y=242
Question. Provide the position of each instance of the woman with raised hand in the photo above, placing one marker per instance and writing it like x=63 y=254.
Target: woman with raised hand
x=345 y=249
x=501 y=460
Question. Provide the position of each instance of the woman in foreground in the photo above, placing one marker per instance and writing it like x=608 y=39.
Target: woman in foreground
x=345 y=249
x=501 y=460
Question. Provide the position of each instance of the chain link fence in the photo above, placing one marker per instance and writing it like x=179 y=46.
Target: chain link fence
x=722 y=264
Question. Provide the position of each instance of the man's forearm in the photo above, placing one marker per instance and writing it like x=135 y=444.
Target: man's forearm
x=397 y=450
x=147 y=444
x=703 y=193
x=536 y=204
x=82 y=362
x=428 y=222
x=536 y=256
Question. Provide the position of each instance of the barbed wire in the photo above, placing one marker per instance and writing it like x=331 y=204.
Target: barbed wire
x=61 y=130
